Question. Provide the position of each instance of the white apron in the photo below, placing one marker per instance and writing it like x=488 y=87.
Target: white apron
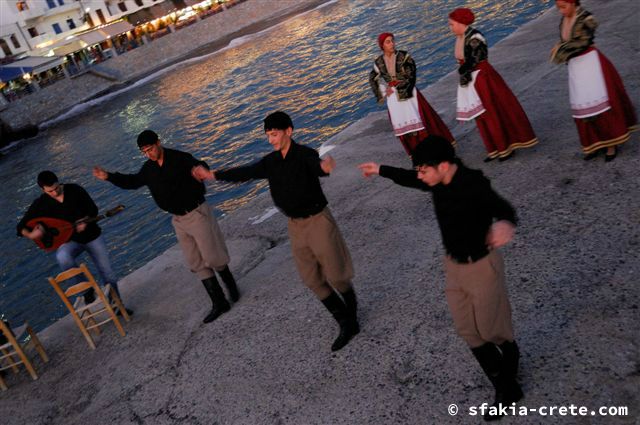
x=405 y=114
x=469 y=103
x=587 y=89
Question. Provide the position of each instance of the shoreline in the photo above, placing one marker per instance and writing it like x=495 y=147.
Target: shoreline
x=56 y=96
x=216 y=45
x=572 y=275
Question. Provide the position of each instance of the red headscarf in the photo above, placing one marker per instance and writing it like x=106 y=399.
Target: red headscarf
x=382 y=37
x=463 y=15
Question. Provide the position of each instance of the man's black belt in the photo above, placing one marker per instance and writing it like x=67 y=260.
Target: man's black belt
x=186 y=211
x=468 y=258
x=310 y=214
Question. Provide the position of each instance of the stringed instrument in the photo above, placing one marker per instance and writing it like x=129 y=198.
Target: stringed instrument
x=57 y=231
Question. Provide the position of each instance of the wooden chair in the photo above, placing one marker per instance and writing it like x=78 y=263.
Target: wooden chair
x=13 y=352
x=85 y=316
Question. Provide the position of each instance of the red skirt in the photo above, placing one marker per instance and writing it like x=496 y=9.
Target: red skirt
x=433 y=125
x=504 y=126
x=611 y=127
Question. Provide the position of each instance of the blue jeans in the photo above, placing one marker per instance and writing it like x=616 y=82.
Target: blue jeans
x=67 y=253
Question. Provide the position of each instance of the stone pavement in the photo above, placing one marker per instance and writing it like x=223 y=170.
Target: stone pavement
x=573 y=275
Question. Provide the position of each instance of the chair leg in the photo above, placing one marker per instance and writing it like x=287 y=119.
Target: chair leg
x=3 y=385
x=116 y=322
x=10 y=359
x=111 y=313
x=38 y=345
x=118 y=301
x=83 y=329
x=26 y=362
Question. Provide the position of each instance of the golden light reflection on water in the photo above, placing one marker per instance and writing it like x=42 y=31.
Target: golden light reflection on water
x=137 y=115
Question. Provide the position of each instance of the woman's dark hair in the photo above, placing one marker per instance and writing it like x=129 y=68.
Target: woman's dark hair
x=47 y=178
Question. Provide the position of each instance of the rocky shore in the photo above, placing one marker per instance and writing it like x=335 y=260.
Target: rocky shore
x=573 y=275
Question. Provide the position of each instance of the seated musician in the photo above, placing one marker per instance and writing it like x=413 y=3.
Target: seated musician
x=71 y=203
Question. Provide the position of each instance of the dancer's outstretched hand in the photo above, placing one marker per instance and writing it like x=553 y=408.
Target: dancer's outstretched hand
x=100 y=173
x=201 y=173
x=500 y=233
x=369 y=169
x=328 y=164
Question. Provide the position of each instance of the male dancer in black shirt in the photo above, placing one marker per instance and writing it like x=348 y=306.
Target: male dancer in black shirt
x=320 y=253
x=474 y=221
x=167 y=174
x=71 y=203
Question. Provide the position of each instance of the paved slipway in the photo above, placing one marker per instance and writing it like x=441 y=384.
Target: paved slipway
x=573 y=274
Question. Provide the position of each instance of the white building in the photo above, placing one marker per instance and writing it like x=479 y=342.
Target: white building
x=30 y=26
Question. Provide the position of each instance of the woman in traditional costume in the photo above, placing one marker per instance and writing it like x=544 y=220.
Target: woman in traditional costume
x=393 y=79
x=484 y=96
x=600 y=105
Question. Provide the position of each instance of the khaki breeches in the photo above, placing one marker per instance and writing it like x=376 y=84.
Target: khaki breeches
x=320 y=253
x=201 y=240
x=478 y=300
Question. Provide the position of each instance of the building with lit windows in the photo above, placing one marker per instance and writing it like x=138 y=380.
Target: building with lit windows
x=30 y=26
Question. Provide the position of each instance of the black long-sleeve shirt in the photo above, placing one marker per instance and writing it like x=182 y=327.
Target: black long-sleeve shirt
x=465 y=208
x=293 y=180
x=172 y=186
x=76 y=204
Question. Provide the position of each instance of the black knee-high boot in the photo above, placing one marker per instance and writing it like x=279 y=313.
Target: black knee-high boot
x=494 y=366
x=511 y=356
x=510 y=361
x=220 y=303
x=351 y=302
x=230 y=283
x=338 y=309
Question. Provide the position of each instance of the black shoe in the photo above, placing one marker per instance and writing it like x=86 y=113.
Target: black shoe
x=338 y=310
x=220 y=303
x=592 y=155
x=609 y=158
x=119 y=313
x=89 y=296
x=346 y=333
x=230 y=283
x=216 y=312
x=507 y=157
